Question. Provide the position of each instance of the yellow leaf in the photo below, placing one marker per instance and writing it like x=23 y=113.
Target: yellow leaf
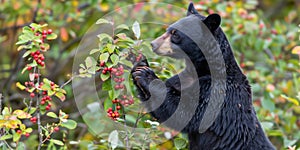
x=292 y=100
x=21 y=114
x=20 y=86
x=296 y=50
x=104 y=7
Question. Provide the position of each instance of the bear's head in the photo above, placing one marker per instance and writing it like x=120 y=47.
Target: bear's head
x=186 y=39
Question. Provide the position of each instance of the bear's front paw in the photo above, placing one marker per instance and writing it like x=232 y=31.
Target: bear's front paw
x=142 y=77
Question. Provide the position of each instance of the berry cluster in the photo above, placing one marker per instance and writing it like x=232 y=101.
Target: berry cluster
x=38 y=58
x=117 y=105
x=127 y=101
x=20 y=132
x=42 y=34
x=33 y=120
x=45 y=101
x=113 y=114
x=118 y=72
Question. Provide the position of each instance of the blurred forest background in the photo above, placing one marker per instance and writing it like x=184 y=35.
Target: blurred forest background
x=264 y=36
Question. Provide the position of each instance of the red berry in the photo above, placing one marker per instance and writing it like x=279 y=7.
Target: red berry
x=102 y=63
x=56 y=129
x=118 y=107
x=103 y=71
x=32 y=28
x=116 y=79
x=117 y=86
x=106 y=69
x=42 y=47
x=117 y=115
x=43 y=102
x=32 y=54
x=37 y=34
x=39 y=61
x=52 y=84
x=110 y=69
x=109 y=110
x=49 y=31
x=27 y=134
x=29 y=68
x=19 y=131
x=42 y=64
x=26 y=83
x=32 y=95
x=44 y=32
x=124 y=96
x=48 y=107
x=121 y=86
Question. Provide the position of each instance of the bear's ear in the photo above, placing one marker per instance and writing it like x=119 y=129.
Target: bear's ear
x=212 y=21
x=191 y=10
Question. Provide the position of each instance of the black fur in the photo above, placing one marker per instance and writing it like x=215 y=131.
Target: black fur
x=236 y=126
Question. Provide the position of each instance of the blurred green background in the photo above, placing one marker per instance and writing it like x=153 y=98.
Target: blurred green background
x=263 y=35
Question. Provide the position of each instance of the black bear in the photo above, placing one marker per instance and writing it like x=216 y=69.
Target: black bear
x=211 y=99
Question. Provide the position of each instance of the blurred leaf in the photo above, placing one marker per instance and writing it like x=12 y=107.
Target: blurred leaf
x=102 y=21
x=296 y=50
x=104 y=57
x=136 y=29
x=268 y=104
x=70 y=124
x=57 y=142
x=113 y=139
x=104 y=77
x=53 y=36
x=20 y=86
x=122 y=26
x=292 y=100
x=180 y=143
x=114 y=59
x=52 y=115
x=6 y=137
x=21 y=114
x=64 y=34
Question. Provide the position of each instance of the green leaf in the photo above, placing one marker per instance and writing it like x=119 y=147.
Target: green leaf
x=102 y=21
x=136 y=29
x=103 y=36
x=104 y=77
x=61 y=96
x=52 y=115
x=268 y=104
x=26 y=54
x=94 y=51
x=110 y=48
x=113 y=139
x=114 y=59
x=126 y=62
x=6 y=136
x=104 y=57
x=122 y=27
x=20 y=86
x=70 y=124
x=51 y=36
x=90 y=61
x=22 y=42
x=180 y=143
x=16 y=137
x=57 y=142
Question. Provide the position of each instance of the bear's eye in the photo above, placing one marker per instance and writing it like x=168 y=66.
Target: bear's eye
x=175 y=37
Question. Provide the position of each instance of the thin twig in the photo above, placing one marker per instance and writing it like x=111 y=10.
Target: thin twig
x=0 y=102
x=38 y=115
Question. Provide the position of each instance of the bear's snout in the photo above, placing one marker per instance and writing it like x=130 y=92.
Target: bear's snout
x=162 y=45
